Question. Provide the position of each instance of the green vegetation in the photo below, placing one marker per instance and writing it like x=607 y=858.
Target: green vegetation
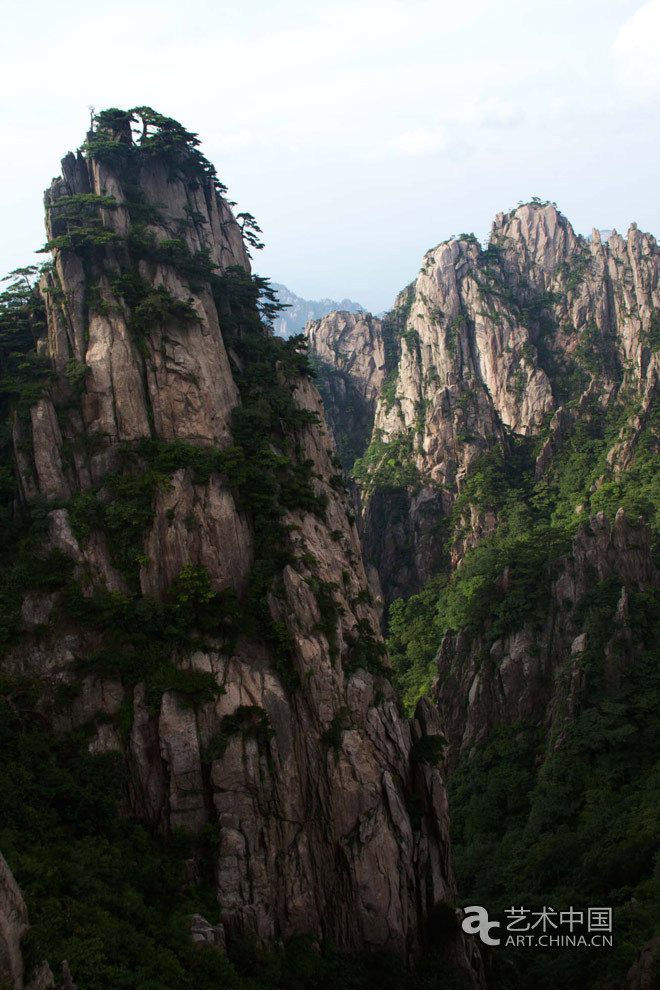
x=269 y=481
x=113 y=143
x=653 y=333
x=24 y=374
x=247 y=721
x=24 y=378
x=474 y=597
x=536 y=523
x=345 y=410
x=333 y=735
x=581 y=830
x=596 y=351
x=122 y=504
x=395 y=325
x=576 y=269
x=79 y=220
x=452 y=332
x=413 y=641
x=110 y=895
x=388 y=465
x=250 y=229
x=388 y=390
x=536 y=820
x=141 y=637
x=366 y=651
x=264 y=465
x=428 y=749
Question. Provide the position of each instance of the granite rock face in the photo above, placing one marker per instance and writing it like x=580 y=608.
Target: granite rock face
x=354 y=345
x=486 y=345
x=173 y=383
x=349 y=353
x=314 y=829
x=536 y=673
x=14 y=926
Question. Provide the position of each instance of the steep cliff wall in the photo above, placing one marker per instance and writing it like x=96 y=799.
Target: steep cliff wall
x=489 y=345
x=512 y=482
x=14 y=926
x=198 y=604
x=536 y=668
x=350 y=362
x=548 y=690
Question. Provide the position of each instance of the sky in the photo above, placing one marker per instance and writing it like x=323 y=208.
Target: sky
x=358 y=134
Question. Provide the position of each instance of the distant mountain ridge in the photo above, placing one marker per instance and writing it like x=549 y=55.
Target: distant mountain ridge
x=301 y=311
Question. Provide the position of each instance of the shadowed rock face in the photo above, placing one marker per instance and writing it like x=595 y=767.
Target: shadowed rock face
x=349 y=358
x=354 y=345
x=314 y=831
x=483 y=346
x=536 y=673
x=14 y=926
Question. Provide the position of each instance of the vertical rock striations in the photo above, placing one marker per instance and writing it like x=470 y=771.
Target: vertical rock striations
x=511 y=479
x=14 y=926
x=349 y=358
x=489 y=345
x=537 y=671
x=209 y=610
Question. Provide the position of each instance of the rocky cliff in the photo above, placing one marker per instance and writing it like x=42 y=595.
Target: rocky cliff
x=538 y=669
x=190 y=592
x=547 y=682
x=14 y=926
x=349 y=358
x=511 y=485
x=490 y=345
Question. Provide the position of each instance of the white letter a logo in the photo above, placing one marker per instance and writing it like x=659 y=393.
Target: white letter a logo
x=478 y=924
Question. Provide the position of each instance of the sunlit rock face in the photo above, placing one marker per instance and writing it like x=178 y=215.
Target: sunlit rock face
x=486 y=345
x=311 y=787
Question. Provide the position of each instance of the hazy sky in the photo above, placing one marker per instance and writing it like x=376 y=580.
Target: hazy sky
x=358 y=134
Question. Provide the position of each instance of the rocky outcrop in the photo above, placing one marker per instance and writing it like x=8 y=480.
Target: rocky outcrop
x=521 y=398
x=492 y=344
x=354 y=346
x=536 y=672
x=399 y=532
x=349 y=360
x=14 y=926
x=300 y=758
x=643 y=973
